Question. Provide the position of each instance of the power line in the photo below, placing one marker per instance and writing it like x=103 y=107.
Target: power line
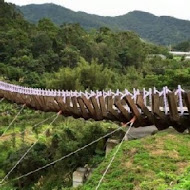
x=114 y=155
x=12 y=121
x=62 y=158
x=23 y=156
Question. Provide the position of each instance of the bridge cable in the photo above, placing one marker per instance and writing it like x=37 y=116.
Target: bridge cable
x=114 y=155
x=23 y=156
x=12 y=121
x=41 y=122
x=62 y=158
x=2 y=99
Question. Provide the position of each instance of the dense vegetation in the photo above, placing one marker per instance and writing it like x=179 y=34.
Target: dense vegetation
x=69 y=57
x=161 y=30
x=61 y=138
x=183 y=46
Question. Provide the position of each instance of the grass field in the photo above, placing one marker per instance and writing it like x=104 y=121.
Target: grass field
x=156 y=162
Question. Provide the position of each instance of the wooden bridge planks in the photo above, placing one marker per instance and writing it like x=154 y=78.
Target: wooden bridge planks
x=35 y=103
x=172 y=101
x=147 y=113
x=62 y=105
x=76 y=109
x=8 y=96
x=1 y=93
x=187 y=101
x=11 y=96
x=120 y=105
x=83 y=108
x=177 y=121
x=89 y=106
x=160 y=119
x=27 y=100
x=97 y=108
x=39 y=102
x=134 y=109
x=32 y=101
x=50 y=104
x=156 y=107
x=111 y=108
x=103 y=106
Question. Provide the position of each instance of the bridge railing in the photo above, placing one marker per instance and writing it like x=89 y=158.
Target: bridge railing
x=147 y=94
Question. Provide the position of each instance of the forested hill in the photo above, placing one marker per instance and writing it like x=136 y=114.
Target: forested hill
x=68 y=57
x=161 y=30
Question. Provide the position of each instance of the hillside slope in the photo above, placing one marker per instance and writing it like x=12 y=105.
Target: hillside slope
x=162 y=30
x=153 y=163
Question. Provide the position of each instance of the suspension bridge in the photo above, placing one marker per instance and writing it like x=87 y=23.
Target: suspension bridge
x=163 y=108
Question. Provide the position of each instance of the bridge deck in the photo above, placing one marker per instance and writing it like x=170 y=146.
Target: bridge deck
x=162 y=109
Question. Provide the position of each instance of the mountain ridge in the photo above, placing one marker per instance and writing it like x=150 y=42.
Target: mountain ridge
x=164 y=30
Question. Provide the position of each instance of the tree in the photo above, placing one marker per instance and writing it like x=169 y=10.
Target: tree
x=66 y=79
x=47 y=26
x=69 y=57
x=41 y=43
x=183 y=46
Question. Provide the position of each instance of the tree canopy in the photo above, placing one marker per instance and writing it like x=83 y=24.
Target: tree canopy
x=70 y=57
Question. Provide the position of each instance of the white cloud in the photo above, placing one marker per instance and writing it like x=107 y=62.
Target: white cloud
x=179 y=9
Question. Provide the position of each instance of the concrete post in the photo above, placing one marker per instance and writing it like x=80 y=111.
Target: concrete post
x=110 y=144
x=79 y=176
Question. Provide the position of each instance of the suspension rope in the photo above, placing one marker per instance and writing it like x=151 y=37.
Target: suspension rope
x=13 y=121
x=23 y=156
x=41 y=122
x=55 y=119
x=62 y=158
x=114 y=155
x=2 y=99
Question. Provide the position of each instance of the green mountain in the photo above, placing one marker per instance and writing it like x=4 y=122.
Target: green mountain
x=161 y=30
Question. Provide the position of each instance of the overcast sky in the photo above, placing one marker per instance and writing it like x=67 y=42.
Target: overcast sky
x=179 y=9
